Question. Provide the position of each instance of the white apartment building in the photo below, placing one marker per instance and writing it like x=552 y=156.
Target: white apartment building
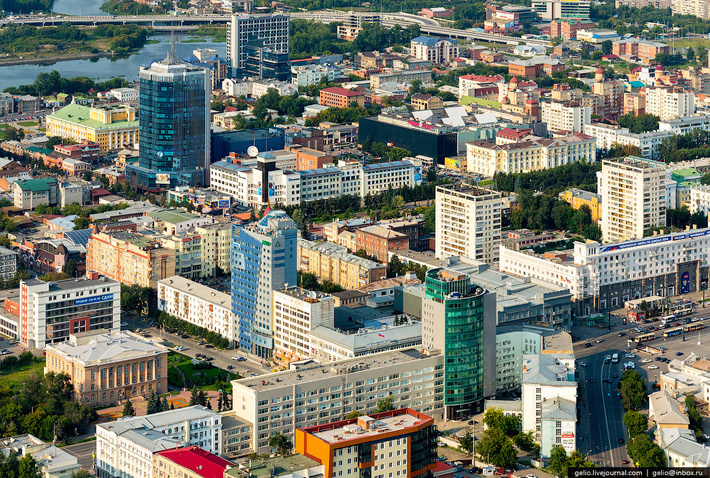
x=236 y=88
x=261 y=87
x=198 y=304
x=271 y=29
x=8 y=263
x=242 y=183
x=648 y=143
x=602 y=276
x=379 y=177
x=435 y=50
x=322 y=183
x=696 y=8
x=483 y=157
x=669 y=103
x=468 y=222
x=699 y=199
x=545 y=379
x=296 y=313
x=686 y=124
x=565 y=116
x=560 y=9
x=124 y=94
x=51 y=311
x=216 y=247
x=313 y=74
x=314 y=394
x=511 y=345
x=633 y=192
x=124 y=448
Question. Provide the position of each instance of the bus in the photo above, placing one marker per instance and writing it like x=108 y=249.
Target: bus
x=615 y=358
x=680 y=308
x=693 y=326
x=644 y=337
x=673 y=332
x=667 y=319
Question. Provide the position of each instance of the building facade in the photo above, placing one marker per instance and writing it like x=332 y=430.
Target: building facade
x=669 y=103
x=106 y=368
x=333 y=262
x=189 y=462
x=112 y=127
x=468 y=222
x=435 y=50
x=272 y=30
x=565 y=116
x=378 y=241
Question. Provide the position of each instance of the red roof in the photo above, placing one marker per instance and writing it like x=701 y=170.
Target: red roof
x=336 y=90
x=510 y=133
x=483 y=78
x=228 y=109
x=441 y=467
x=198 y=461
x=100 y=192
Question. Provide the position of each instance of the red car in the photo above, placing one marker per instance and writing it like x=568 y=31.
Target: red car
x=624 y=462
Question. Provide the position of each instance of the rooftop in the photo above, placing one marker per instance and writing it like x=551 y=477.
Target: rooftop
x=305 y=295
x=275 y=466
x=336 y=90
x=158 y=420
x=70 y=284
x=198 y=461
x=173 y=216
x=382 y=232
x=358 y=429
x=107 y=347
x=81 y=115
x=635 y=162
x=546 y=370
x=208 y=294
x=666 y=410
x=580 y=193
x=389 y=283
x=35 y=185
x=559 y=409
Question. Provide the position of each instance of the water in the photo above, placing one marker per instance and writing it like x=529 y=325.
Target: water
x=78 y=7
x=104 y=68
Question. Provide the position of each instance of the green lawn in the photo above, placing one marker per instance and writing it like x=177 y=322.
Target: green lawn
x=686 y=42
x=28 y=123
x=15 y=378
x=184 y=363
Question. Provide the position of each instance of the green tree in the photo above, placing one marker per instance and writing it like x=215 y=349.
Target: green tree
x=164 y=405
x=28 y=468
x=645 y=453
x=53 y=141
x=705 y=180
x=496 y=448
x=508 y=424
x=606 y=47
x=558 y=460
x=635 y=422
x=690 y=54
x=696 y=421
x=80 y=474
x=466 y=442
x=281 y=443
x=633 y=390
x=352 y=415
x=128 y=410
x=526 y=442
x=153 y=405
x=69 y=268
x=384 y=405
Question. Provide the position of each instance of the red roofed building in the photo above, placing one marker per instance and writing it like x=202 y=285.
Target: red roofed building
x=337 y=97
x=442 y=470
x=87 y=151
x=189 y=462
x=510 y=135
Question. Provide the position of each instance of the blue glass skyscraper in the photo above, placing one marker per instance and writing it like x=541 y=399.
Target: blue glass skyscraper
x=174 y=126
x=263 y=259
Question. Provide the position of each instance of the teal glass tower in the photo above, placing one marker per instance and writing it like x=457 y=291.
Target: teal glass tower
x=458 y=319
x=174 y=126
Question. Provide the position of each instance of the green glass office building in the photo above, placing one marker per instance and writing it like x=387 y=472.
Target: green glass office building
x=458 y=318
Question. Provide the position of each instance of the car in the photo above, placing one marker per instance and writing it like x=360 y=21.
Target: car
x=530 y=476
x=241 y=359
x=236 y=358
x=587 y=345
x=591 y=380
x=652 y=367
x=659 y=359
x=582 y=364
x=630 y=355
x=678 y=354
x=607 y=359
x=600 y=341
x=197 y=355
x=621 y=441
x=209 y=359
x=625 y=462
x=621 y=334
x=209 y=346
x=230 y=367
x=184 y=336
x=606 y=380
x=253 y=375
x=124 y=324
x=200 y=343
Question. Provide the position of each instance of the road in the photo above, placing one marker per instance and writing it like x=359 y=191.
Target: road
x=83 y=453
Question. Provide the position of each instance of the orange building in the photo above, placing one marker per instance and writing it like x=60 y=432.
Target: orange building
x=644 y=49
x=401 y=442
x=568 y=29
x=377 y=241
x=307 y=158
x=534 y=67
x=337 y=97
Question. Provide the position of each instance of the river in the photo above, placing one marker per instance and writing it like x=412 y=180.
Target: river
x=78 y=7
x=105 y=68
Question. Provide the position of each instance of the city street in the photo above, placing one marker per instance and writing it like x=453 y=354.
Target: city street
x=83 y=452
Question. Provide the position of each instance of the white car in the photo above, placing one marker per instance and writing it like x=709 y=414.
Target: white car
x=630 y=356
x=646 y=361
x=581 y=364
x=652 y=367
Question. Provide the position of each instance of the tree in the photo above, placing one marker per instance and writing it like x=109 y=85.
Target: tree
x=153 y=405
x=128 y=410
x=52 y=141
x=690 y=54
x=282 y=444
x=496 y=448
x=69 y=268
x=635 y=422
x=558 y=460
x=526 y=442
x=164 y=406
x=352 y=415
x=384 y=405
x=607 y=47
x=696 y=421
x=633 y=390
x=508 y=424
x=194 y=397
x=80 y=474
x=645 y=453
x=466 y=442
x=705 y=180
x=28 y=468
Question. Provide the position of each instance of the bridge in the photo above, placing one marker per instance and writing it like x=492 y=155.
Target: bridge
x=428 y=26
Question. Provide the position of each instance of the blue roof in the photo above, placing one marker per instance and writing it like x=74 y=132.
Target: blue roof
x=636 y=84
x=393 y=164
x=80 y=237
x=429 y=41
x=313 y=172
x=230 y=166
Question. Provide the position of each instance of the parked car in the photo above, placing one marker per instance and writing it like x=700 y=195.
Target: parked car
x=600 y=341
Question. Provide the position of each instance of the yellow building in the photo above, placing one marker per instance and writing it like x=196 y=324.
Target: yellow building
x=129 y=258
x=578 y=198
x=216 y=247
x=112 y=127
x=332 y=262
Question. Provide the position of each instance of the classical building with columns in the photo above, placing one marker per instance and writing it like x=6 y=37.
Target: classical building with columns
x=113 y=127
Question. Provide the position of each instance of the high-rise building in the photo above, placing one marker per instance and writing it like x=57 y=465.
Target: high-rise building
x=174 y=126
x=266 y=62
x=401 y=442
x=565 y=115
x=468 y=222
x=272 y=29
x=458 y=319
x=633 y=192
x=696 y=8
x=669 y=103
x=558 y=9
x=263 y=260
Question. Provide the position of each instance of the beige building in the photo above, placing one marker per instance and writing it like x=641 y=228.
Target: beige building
x=108 y=367
x=565 y=115
x=113 y=127
x=129 y=258
x=669 y=103
x=696 y=8
x=216 y=247
x=333 y=262
x=468 y=222
x=633 y=193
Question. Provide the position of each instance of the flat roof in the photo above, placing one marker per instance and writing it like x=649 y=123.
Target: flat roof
x=173 y=216
x=197 y=460
x=274 y=466
x=208 y=294
x=81 y=115
x=369 y=427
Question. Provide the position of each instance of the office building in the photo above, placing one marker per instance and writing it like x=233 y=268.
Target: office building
x=266 y=62
x=378 y=241
x=108 y=367
x=174 y=126
x=52 y=461
x=458 y=319
x=126 y=447
x=307 y=158
x=272 y=30
x=337 y=97
x=529 y=154
x=199 y=305
x=296 y=312
x=549 y=389
x=334 y=263
x=30 y=193
x=468 y=222
x=316 y=394
x=685 y=125
x=669 y=103
x=695 y=8
x=216 y=248
x=648 y=143
x=435 y=50
x=8 y=263
x=643 y=49
x=263 y=260
x=129 y=258
x=633 y=192
x=560 y=9
x=51 y=311
x=189 y=462
x=401 y=442
x=565 y=116
x=111 y=126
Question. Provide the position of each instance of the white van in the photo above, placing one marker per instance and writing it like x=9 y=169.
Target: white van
x=615 y=358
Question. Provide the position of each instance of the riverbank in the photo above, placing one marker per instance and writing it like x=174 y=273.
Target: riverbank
x=55 y=59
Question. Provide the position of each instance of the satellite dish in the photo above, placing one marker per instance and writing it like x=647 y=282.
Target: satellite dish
x=252 y=151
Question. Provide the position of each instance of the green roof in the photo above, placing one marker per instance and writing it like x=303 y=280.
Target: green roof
x=80 y=115
x=467 y=100
x=37 y=149
x=276 y=466
x=39 y=184
x=685 y=173
x=173 y=216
